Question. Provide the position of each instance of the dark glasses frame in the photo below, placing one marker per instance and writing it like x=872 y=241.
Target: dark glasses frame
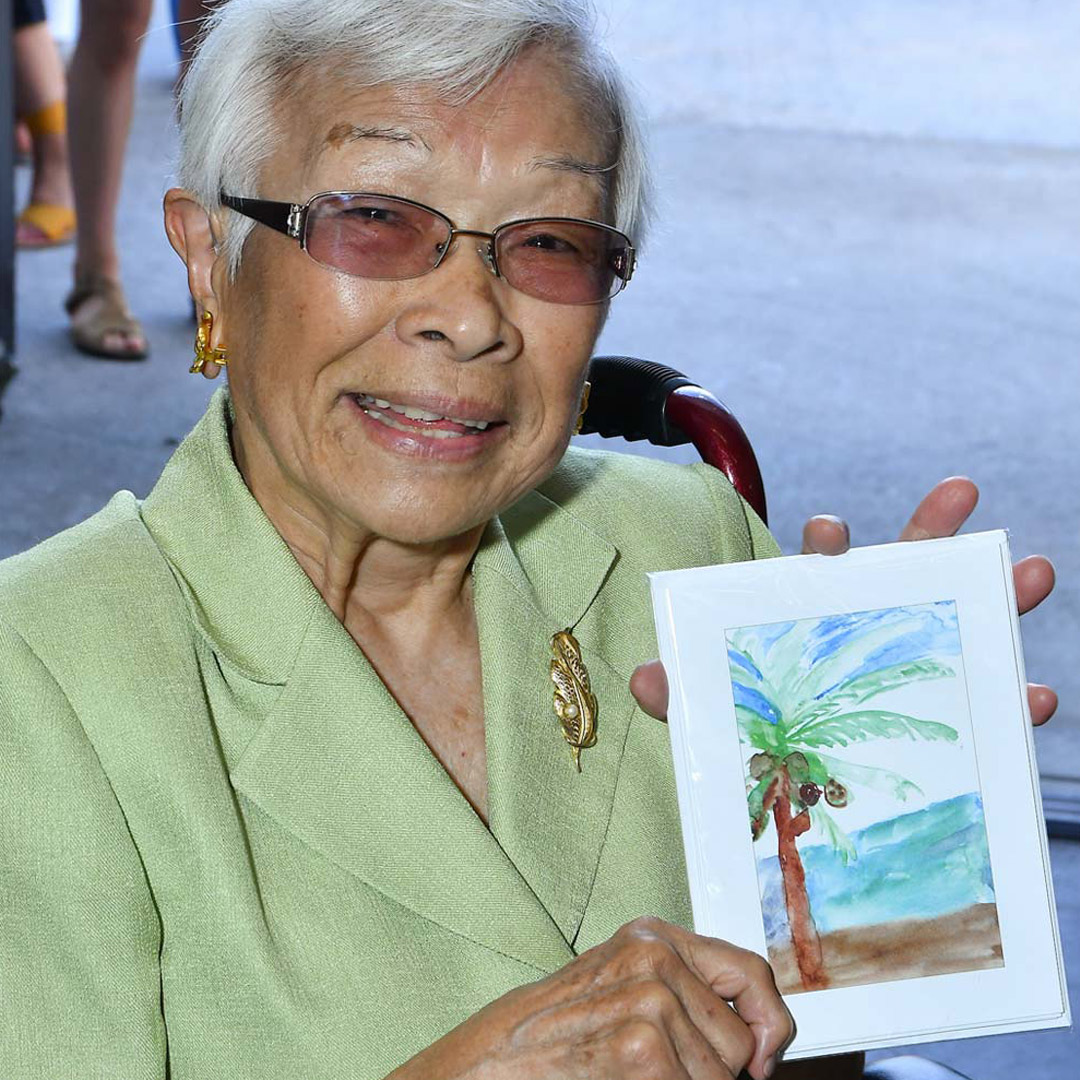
x=291 y=219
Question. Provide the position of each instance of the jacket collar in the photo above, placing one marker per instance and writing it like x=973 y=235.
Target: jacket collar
x=248 y=595
x=336 y=761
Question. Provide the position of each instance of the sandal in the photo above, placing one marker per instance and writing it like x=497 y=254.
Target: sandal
x=54 y=224
x=45 y=224
x=98 y=311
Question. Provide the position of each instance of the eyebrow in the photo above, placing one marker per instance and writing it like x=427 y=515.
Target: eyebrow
x=346 y=132
x=569 y=163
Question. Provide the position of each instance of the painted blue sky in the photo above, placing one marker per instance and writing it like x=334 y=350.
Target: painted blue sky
x=919 y=631
x=836 y=648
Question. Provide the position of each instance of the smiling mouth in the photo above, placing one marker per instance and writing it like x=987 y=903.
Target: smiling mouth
x=413 y=420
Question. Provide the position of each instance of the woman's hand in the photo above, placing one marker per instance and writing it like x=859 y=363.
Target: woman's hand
x=941 y=513
x=653 y=1001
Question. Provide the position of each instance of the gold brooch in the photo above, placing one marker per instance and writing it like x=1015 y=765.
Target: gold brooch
x=574 y=703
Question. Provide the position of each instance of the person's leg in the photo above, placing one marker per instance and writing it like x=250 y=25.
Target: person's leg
x=24 y=143
x=39 y=101
x=190 y=15
x=24 y=13
x=101 y=91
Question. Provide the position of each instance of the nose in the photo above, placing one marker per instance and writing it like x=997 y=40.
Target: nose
x=458 y=307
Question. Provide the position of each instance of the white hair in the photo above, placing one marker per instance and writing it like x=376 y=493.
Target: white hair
x=252 y=49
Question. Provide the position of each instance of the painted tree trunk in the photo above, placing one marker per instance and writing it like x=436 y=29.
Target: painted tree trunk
x=804 y=934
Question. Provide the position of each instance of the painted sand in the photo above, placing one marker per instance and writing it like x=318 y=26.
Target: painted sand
x=967 y=940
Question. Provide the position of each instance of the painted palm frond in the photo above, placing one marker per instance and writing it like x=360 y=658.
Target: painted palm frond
x=859 y=689
x=759 y=732
x=834 y=835
x=871 y=777
x=770 y=651
x=869 y=724
x=753 y=689
x=743 y=668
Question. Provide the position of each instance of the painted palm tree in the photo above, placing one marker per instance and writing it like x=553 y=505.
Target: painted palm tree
x=804 y=686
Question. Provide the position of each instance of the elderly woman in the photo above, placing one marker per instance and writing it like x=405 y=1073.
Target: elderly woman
x=283 y=793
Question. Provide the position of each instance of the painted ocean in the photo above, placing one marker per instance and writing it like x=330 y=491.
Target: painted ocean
x=917 y=899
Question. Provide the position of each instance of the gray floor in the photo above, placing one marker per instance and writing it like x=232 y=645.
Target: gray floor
x=880 y=277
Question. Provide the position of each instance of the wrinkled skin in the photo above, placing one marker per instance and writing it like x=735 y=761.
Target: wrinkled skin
x=649 y=1003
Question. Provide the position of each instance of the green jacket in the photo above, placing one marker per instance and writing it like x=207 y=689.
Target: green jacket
x=225 y=851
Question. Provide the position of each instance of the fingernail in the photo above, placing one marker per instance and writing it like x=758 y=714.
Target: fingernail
x=769 y=1067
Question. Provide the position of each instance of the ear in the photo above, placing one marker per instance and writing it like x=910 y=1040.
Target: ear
x=192 y=233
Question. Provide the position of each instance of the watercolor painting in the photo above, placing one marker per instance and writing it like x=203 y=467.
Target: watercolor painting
x=863 y=796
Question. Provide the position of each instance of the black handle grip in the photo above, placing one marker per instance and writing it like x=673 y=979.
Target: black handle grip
x=627 y=400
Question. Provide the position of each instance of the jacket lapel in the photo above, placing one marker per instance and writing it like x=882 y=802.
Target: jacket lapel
x=537 y=573
x=338 y=764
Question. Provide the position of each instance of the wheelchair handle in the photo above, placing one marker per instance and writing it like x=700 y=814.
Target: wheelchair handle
x=640 y=399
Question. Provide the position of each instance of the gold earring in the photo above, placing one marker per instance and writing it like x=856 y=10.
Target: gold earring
x=584 y=407
x=204 y=352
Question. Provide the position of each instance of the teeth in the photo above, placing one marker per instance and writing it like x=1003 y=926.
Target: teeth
x=433 y=433
x=413 y=413
x=417 y=414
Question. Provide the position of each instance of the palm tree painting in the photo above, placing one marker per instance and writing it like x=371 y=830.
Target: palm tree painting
x=863 y=797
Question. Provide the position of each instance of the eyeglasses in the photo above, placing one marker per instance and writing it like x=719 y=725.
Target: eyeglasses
x=562 y=260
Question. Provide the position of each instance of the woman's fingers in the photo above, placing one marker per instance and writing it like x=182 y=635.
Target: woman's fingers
x=1034 y=579
x=723 y=1043
x=1042 y=702
x=825 y=534
x=943 y=511
x=665 y=973
x=636 y=1001
x=654 y=1000
x=712 y=1040
x=746 y=980
x=649 y=686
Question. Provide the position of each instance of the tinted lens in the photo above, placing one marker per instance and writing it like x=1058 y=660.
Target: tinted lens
x=565 y=261
x=373 y=236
